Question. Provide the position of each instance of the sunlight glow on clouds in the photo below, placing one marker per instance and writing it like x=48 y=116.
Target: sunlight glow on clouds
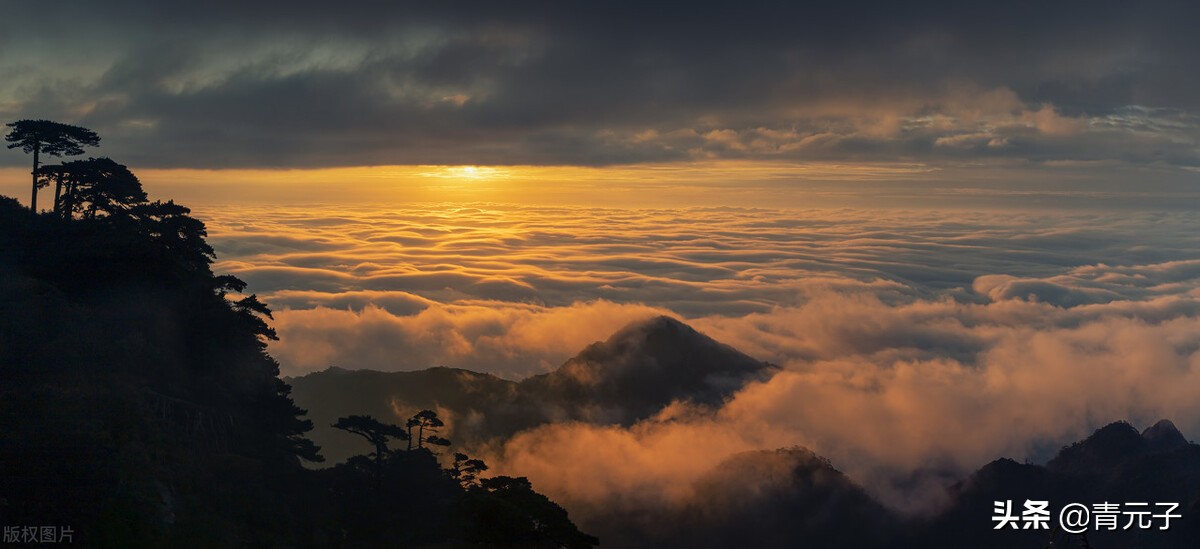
x=905 y=398
x=956 y=241
x=440 y=283
x=915 y=345
x=466 y=172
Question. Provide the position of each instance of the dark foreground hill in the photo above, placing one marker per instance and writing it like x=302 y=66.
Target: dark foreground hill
x=139 y=408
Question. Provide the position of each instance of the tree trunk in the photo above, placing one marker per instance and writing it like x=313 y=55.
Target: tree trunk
x=379 y=450
x=66 y=200
x=37 y=148
x=57 y=195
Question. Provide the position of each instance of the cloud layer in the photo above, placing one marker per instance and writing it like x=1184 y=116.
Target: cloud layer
x=915 y=345
x=517 y=290
x=905 y=399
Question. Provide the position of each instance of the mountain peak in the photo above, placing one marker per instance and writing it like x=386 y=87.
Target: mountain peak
x=660 y=337
x=645 y=366
x=661 y=325
x=1116 y=443
x=1106 y=448
x=659 y=345
x=1164 y=436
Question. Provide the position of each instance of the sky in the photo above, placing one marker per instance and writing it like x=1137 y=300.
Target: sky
x=1096 y=87
x=939 y=217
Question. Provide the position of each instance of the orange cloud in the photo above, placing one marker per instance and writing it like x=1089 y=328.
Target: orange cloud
x=510 y=339
x=880 y=398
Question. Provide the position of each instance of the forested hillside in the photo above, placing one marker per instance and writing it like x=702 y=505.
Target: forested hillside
x=139 y=405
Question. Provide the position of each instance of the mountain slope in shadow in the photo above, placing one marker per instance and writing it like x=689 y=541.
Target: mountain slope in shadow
x=1116 y=464
x=789 y=497
x=794 y=498
x=630 y=376
x=781 y=498
x=642 y=368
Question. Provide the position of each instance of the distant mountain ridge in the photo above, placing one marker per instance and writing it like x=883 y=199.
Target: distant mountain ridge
x=632 y=375
x=1116 y=464
x=1115 y=444
x=792 y=497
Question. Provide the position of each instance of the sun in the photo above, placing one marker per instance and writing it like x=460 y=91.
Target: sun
x=477 y=173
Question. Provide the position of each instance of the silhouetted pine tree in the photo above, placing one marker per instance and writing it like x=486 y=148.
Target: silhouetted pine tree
x=46 y=137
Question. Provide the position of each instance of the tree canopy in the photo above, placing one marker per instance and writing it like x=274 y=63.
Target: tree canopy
x=47 y=137
x=427 y=424
x=94 y=187
x=376 y=432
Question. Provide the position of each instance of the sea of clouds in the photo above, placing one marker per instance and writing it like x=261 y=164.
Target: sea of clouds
x=915 y=345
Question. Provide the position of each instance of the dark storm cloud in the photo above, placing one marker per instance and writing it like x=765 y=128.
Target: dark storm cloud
x=317 y=84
